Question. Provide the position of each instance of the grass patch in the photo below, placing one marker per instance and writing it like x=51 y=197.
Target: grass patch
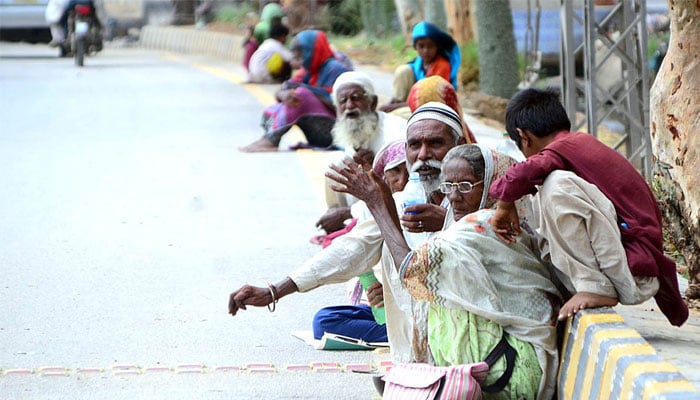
x=385 y=52
x=235 y=15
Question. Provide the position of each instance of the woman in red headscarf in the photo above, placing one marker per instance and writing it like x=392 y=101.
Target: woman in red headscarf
x=305 y=99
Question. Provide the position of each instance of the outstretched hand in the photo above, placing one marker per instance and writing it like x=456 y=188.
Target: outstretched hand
x=248 y=296
x=358 y=179
x=505 y=221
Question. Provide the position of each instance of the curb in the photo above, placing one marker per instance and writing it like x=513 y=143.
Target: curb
x=192 y=41
x=604 y=358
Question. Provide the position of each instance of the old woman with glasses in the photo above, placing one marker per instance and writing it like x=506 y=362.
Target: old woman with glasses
x=482 y=291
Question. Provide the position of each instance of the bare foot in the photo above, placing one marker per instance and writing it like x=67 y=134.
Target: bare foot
x=583 y=300
x=259 y=146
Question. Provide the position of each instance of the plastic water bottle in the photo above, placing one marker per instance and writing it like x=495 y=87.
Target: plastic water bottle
x=414 y=193
x=366 y=280
x=508 y=147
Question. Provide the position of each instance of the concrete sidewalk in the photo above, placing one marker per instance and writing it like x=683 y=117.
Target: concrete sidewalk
x=679 y=346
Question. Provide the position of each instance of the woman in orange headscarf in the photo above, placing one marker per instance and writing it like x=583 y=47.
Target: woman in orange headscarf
x=436 y=88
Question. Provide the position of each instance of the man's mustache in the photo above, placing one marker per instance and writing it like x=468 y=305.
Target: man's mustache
x=427 y=163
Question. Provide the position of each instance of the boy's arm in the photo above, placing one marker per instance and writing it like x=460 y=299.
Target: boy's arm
x=505 y=221
x=522 y=178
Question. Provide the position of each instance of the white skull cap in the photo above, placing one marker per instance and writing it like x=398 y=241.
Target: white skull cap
x=439 y=112
x=355 y=78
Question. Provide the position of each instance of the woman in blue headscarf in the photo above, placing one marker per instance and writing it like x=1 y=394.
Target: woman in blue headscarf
x=438 y=54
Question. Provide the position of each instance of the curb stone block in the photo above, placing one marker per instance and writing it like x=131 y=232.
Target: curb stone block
x=604 y=358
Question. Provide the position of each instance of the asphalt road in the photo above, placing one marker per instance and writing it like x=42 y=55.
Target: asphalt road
x=128 y=216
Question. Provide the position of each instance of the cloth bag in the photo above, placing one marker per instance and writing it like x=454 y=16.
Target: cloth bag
x=413 y=381
x=418 y=381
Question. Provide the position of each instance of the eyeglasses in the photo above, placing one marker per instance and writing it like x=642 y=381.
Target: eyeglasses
x=462 y=187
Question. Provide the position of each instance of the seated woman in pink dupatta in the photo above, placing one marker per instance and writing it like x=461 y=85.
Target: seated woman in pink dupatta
x=305 y=99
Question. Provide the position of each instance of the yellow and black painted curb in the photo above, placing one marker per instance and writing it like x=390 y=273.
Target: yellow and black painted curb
x=604 y=358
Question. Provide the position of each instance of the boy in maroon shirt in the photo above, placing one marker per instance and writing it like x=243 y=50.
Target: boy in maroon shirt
x=596 y=216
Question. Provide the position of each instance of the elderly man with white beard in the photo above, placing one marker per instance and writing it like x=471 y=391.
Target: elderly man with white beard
x=360 y=129
x=432 y=131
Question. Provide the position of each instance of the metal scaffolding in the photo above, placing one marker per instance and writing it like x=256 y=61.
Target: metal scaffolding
x=614 y=90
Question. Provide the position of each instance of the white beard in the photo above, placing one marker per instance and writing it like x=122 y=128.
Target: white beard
x=355 y=133
x=431 y=183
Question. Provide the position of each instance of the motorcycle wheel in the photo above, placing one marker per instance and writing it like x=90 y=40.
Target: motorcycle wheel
x=79 y=51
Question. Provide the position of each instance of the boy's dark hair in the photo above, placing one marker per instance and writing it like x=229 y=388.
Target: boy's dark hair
x=278 y=30
x=536 y=110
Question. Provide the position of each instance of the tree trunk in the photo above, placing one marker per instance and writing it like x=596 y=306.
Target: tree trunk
x=184 y=12
x=303 y=14
x=498 y=59
x=410 y=12
x=459 y=20
x=435 y=12
x=675 y=136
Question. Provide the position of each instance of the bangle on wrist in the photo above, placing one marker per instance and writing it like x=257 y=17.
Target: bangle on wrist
x=275 y=299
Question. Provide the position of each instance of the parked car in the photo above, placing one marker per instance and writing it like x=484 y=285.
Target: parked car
x=23 y=20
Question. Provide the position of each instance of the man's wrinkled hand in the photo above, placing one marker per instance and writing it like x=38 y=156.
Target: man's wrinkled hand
x=334 y=219
x=375 y=295
x=423 y=218
x=248 y=295
x=364 y=157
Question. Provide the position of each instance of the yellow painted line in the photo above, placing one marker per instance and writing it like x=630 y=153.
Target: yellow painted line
x=90 y=370
x=593 y=361
x=642 y=367
x=315 y=164
x=258 y=91
x=18 y=371
x=652 y=390
x=614 y=356
x=575 y=352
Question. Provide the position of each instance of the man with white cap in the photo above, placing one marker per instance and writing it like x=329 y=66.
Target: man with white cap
x=359 y=129
x=432 y=131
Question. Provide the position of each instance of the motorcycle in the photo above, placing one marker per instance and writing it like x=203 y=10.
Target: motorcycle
x=84 y=33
